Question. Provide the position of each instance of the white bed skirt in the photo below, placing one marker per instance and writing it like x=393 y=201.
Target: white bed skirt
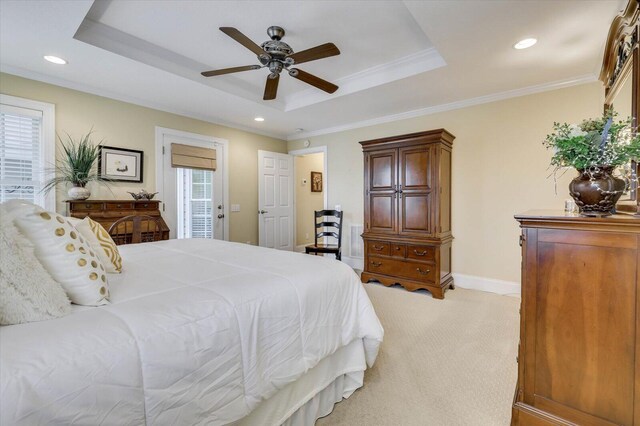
x=313 y=396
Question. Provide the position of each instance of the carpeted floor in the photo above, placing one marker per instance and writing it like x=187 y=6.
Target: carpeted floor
x=443 y=362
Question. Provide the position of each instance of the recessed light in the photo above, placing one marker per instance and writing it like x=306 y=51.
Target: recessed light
x=525 y=43
x=259 y=119
x=55 y=60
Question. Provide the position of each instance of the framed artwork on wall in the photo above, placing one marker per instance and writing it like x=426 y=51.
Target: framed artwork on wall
x=316 y=181
x=120 y=164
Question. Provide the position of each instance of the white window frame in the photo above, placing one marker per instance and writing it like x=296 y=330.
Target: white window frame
x=48 y=139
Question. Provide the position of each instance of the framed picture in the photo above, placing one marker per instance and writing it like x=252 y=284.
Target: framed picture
x=120 y=164
x=316 y=181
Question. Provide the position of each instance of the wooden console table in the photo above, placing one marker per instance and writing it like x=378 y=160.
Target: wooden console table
x=105 y=212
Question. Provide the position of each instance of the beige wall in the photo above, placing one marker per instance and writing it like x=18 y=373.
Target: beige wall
x=306 y=201
x=500 y=168
x=126 y=125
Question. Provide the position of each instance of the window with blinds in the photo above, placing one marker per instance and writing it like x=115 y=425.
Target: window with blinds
x=22 y=166
x=195 y=203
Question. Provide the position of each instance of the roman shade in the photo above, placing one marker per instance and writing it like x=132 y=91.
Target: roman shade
x=193 y=157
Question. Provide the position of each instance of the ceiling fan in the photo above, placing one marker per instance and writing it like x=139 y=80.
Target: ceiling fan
x=278 y=55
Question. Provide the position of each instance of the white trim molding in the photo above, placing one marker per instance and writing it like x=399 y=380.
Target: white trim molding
x=48 y=139
x=530 y=90
x=159 y=142
x=491 y=285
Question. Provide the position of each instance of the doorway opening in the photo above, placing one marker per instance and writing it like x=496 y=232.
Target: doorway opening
x=310 y=192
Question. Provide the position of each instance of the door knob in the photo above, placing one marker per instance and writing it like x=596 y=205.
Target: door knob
x=262 y=211
x=220 y=216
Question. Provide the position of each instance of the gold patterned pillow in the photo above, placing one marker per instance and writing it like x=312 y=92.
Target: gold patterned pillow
x=64 y=253
x=102 y=243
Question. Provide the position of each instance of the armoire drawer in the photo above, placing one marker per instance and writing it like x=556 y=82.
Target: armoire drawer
x=411 y=270
x=398 y=250
x=86 y=206
x=378 y=248
x=423 y=253
x=146 y=205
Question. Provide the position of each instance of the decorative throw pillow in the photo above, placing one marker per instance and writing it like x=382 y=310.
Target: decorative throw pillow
x=101 y=243
x=63 y=252
x=27 y=291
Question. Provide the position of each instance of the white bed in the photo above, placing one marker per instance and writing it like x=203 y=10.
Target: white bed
x=198 y=332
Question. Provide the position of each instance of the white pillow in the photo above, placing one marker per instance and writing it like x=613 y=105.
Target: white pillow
x=27 y=291
x=100 y=242
x=63 y=252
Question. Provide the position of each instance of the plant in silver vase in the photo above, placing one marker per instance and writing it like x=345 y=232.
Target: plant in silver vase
x=595 y=148
x=76 y=167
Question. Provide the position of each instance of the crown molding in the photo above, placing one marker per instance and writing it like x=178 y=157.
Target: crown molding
x=32 y=75
x=530 y=90
x=407 y=66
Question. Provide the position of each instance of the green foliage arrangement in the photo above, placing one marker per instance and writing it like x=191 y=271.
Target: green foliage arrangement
x=594 y=143
x=78 y=166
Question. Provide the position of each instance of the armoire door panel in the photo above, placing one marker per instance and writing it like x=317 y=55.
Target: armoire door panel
x=415 y=214
x=585 y=328
x=415 y=168
x=382 y=213
x=382 y=170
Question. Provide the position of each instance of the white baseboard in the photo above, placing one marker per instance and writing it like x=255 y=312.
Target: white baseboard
x=491 y=285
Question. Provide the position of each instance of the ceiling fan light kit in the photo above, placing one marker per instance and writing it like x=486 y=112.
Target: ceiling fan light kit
x=277 y=55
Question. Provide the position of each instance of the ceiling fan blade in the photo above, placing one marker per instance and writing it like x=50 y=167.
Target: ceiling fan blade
x=230 y=70
x=271 y=88
x=313 y=80
x=323 y=51
x=243 y=40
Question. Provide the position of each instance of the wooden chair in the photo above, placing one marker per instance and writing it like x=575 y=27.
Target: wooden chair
x=135 y=229
x=322 y=231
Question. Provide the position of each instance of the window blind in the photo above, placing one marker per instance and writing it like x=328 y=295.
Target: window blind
x=21 y=154
x=193 y=157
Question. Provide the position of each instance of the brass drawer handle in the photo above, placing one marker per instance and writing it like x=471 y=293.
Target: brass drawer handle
x=87 y=206
x=398 y=248
x=423 y=272
x=377 y=248
x=420 y=253
x=119 y=206
x=145 y=205
x=376 y=264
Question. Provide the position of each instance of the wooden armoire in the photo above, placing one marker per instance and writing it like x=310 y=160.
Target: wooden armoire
x=407 y=211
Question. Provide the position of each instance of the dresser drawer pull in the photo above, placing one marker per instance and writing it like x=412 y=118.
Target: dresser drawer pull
x=87 y=206
x=423 y=272
x=398 y=248
x=420 y=253
x=119 y=206
x=376 y=264
x=145 y=205
x=377 y=248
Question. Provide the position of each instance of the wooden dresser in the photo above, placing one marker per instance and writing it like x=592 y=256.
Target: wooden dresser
x=407 y=209
x=105 y=212
x=579 y=354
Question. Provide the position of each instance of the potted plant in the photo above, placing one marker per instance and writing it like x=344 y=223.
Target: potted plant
x=77 y=166
x=595 y=148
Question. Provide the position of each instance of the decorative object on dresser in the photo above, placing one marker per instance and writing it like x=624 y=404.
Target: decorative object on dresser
x=323 y=231
x=106 y=212
x=142 y=195
x=76 y=166
x=579 y=351
x=120 y=164
x=407 y=209
x=621 y=77
x=594 y=148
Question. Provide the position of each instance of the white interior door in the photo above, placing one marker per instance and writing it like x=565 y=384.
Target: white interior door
x=192 y=199
x=275 y=200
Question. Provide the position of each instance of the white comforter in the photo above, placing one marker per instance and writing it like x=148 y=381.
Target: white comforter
x=198 y=331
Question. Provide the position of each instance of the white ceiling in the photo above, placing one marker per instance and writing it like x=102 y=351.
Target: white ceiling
x=398 y=58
